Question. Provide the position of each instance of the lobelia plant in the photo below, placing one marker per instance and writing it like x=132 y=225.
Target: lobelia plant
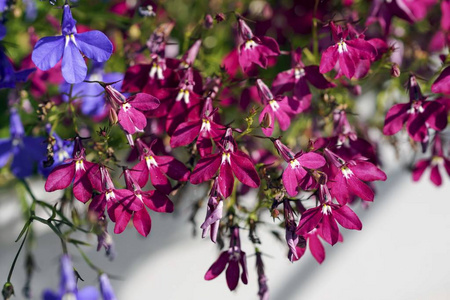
x=191 y=93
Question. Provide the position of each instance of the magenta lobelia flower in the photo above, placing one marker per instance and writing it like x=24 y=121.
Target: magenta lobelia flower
x=229 y=160
x=109 y=195
x=204 y=129
x=255 y=50
x=442 y=84
x=214 y=212
x=130 y=111
x=346 y=178
x=232 y=257
x=75 y=169
x=275 y=108
x=419 y=115
x=315 y=246
x=295 y=175
x=157 y=168
x=290 y=228
x=297 y=79
x=437 y=160
x=326 y=215
x=121 y=214
x=345 y=53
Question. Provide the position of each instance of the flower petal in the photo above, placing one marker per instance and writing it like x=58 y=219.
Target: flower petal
x=48 y=51
x=73 y=66
x=218 y=266
x=95 y=45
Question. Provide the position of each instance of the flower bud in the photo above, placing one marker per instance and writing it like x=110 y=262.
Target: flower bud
x=208 y=22
x=265 y=123
x=395 y=70
x=7 y=291
x=219 y=17
x=113 y=118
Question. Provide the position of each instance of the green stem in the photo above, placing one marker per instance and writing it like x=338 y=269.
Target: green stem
x=16 y=257
x=88 y=261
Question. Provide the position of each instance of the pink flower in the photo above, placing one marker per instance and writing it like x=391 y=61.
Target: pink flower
x=229 y=160
x=437 y=160
x=275 y=108
x=346 y=52
x=295 y=175
x=419 y=115
x=326 y=214
x=75 y=169
x=442 y=84
x=233 y=257
x=346 y=178
x=255 y=50
x=157 y=168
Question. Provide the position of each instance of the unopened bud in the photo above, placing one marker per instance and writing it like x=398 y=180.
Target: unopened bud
x=395 y=70
x=265 y=123
x=208 y=22
x=219 y=17
x=113 y=118
x=7 y=291
x=275 y=213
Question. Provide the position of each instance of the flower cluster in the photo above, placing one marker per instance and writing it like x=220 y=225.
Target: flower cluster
x=230 y=105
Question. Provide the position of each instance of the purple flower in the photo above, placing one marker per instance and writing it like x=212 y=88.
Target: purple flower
x=106 y=288
x=295 y=175
x=68 y=287
x=229 y=160
x=91 y=95
x=232 y=257
x=62 y=150
x=419 y=114
x=263 y=291
x=297 y=79
x=214 y=213
x=275 y=108
x=18 y=146
x=437 y=160
x=255 y=50
x=290 y=228
x=70 y=46
x=347 y=53
x=8 y=76
x=326 y=214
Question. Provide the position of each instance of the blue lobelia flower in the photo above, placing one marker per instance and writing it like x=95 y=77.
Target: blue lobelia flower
x=26 y=151
x=70 y=46
x=62 y=150
x=8 y=76
x=106 y=288
x=92 y=95
x=68 y=287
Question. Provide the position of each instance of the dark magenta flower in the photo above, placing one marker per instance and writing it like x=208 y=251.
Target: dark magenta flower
x=157 y=167
x=68 y=287
x=263 y=289
x=290 y=228
x=214 y=212
x=203 y=129
x=326 y=215
x=419 y=115
x=75 y=169
x=228 y=161
x=295 y=175
x=296 y=80
x=275 y=108
x=437 y=160
x=255 y=50
x=71 y=46
x=18 y=146
x=346 y=177
x=233 y=257
x=345 y=54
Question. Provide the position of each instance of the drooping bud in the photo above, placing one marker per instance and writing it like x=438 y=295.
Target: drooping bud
x=208 y=22
x=395 y=70
x=7 y=291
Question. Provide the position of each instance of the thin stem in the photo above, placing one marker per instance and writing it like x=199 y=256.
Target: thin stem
x=88 y=261
x=17 y=256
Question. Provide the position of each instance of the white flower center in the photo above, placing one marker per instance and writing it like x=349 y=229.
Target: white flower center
x=126 y=107
x=346 y=172
x=326 y=209
x=206 y=125
x=250 y=44
x=342 y=47
x=437 y=161
x=226 y=158
x=294 y=164
x=299 y=73
x=79 y=165
x=274 y=104
x=150 y=161
x=110 y=195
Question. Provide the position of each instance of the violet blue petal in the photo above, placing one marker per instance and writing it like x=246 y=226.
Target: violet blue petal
x=48 y=51
x=95 y=45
